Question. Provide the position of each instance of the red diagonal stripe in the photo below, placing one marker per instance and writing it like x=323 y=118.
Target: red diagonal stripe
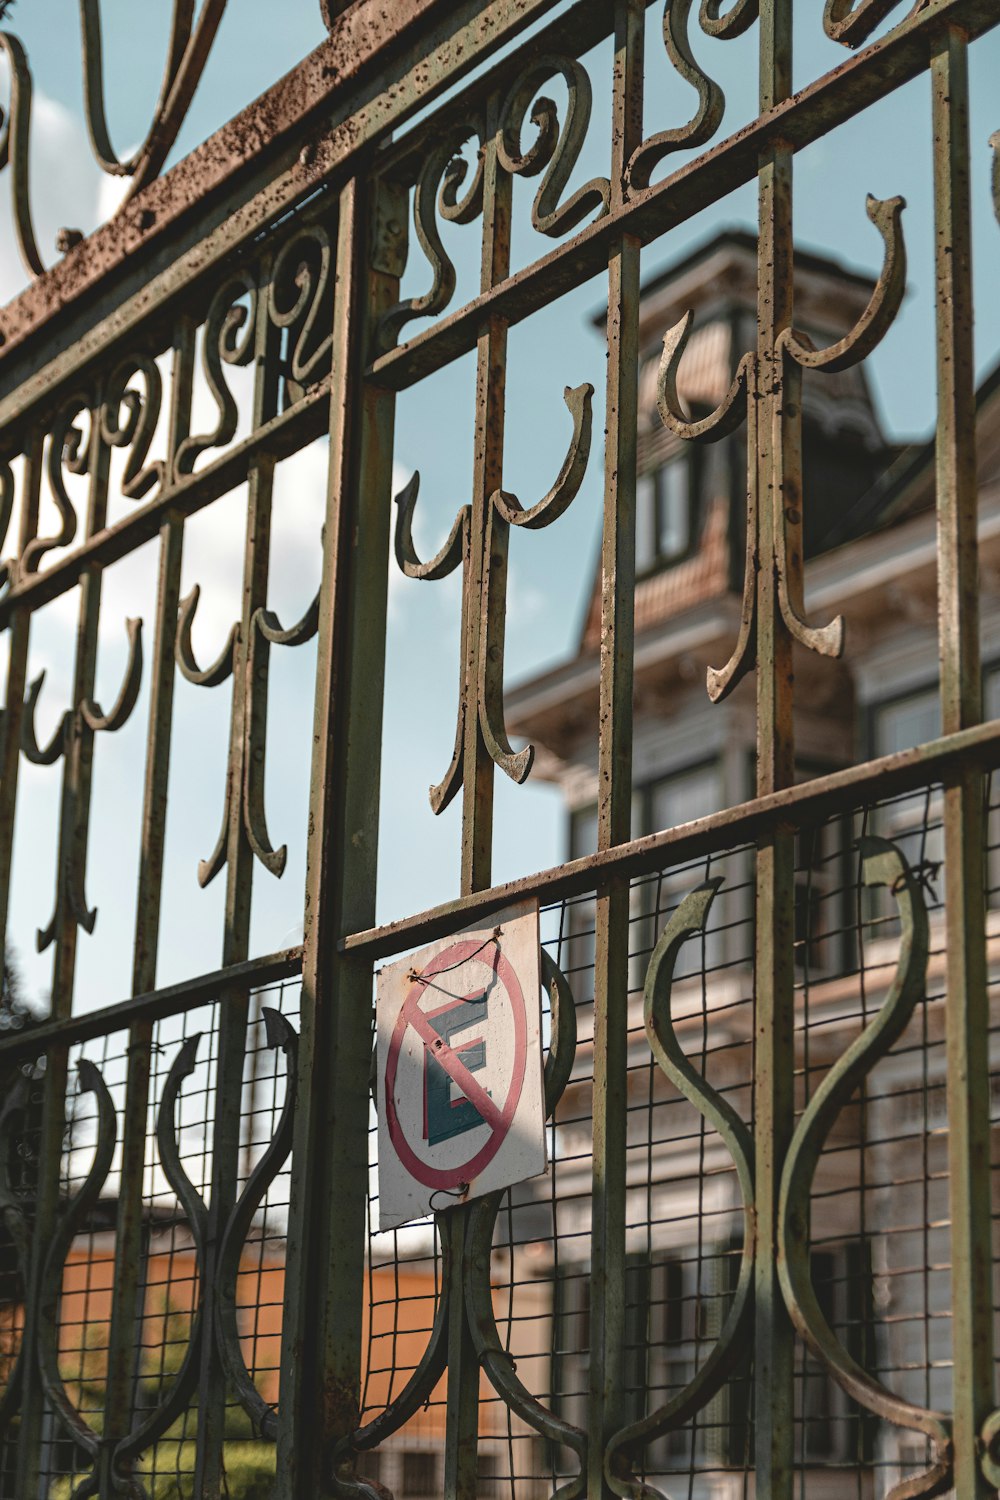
x=454 y=1067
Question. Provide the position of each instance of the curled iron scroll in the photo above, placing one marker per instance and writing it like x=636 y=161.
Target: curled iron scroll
x=187 y=52
x=454 y=551
x=484 y=695
x=711 y=100
x=228 y=339
x=120 y=712
x=688 y=921
x=15 y=140
x=883 y=864
x=210 y=676
x=303 y=272
x=188 y=48
x=853 y=21
x=867 y=333
x=222 y=667
x=71 y=1224
x=279 y=1033
x=67 y=448
x=737 y=19
x=496 y=1362
x=557 y=146
x=506 y=510
x=884 y=304
x=136 y=432
x=438 y=191
x=185 y=1382
x=741 y=400
x=88 y=718
x=266 y=631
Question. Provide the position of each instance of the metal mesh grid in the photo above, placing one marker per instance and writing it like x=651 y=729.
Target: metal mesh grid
x=170 y=1284
x=879 y=1250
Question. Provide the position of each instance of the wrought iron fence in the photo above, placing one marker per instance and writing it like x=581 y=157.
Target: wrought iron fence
x=763 y=1259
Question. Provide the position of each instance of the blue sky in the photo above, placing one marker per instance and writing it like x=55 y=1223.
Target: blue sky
x=886 y=152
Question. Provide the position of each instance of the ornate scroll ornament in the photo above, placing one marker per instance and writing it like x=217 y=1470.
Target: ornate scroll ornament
x=439 y=192
x=220 y=1266
x=484 y=594
x=279 y=1033
x=468 y=1278
x=188 y=47
x=882 y=865
x=266 y=631
x=853 y=21
x=70 y=1225
x=689 y=921
x=556 y=149
x=298 y=287
x=739 y=17
x=86 y=719
x=184 y=1384
x=446 y=188
x=796 y=352
x=711 y=100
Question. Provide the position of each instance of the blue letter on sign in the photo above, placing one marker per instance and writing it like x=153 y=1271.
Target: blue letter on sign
x=445 y=1117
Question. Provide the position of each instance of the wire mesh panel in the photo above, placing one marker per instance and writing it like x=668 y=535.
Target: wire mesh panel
x=763 y=1258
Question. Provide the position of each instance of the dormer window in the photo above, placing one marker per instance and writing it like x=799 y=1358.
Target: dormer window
x=663 y=514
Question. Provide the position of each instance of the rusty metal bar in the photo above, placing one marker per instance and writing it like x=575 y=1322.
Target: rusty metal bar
x=774 y=902
x=968 y=1012
x=614 y=817
x=233 y=1015
x=17 y=664
x=806 y=804
x=77 y=756
x=321 y=1338
x=795 y=121
x=307 y=133
x=422 y=70
x=172 y=1000
x=127 y=1308
x=280 y=436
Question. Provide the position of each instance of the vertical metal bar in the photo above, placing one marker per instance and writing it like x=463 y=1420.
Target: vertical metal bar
x=234 y=1005
x=487 y=621
x=778 y=485
x=17 y=665
x=614 y=814
x=127 y=1304
x=488 y=575
x=73 y=833
x=10 y=737
x=967 y=1004
x=321 y=1338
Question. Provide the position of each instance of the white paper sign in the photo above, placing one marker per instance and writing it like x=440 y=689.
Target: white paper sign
x=459 y=1059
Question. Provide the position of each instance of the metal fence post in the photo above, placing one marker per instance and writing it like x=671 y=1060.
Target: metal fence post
x=324 y=1294
x=968 y=1020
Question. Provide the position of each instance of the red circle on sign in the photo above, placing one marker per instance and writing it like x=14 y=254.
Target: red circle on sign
x=440 y=1177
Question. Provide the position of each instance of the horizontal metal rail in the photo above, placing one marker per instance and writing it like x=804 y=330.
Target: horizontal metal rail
x=794 y=807
x=278 y=438
x=796 y=122
x=172 y=1000
x=304 y=133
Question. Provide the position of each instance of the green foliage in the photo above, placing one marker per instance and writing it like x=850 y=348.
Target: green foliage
x=249 y=1464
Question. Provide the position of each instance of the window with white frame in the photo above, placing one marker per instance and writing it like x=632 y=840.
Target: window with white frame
x=912 y=822
x=681 y=798
x=663 y=505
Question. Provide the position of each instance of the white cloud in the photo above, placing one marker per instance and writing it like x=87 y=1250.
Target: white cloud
x=65 y=187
